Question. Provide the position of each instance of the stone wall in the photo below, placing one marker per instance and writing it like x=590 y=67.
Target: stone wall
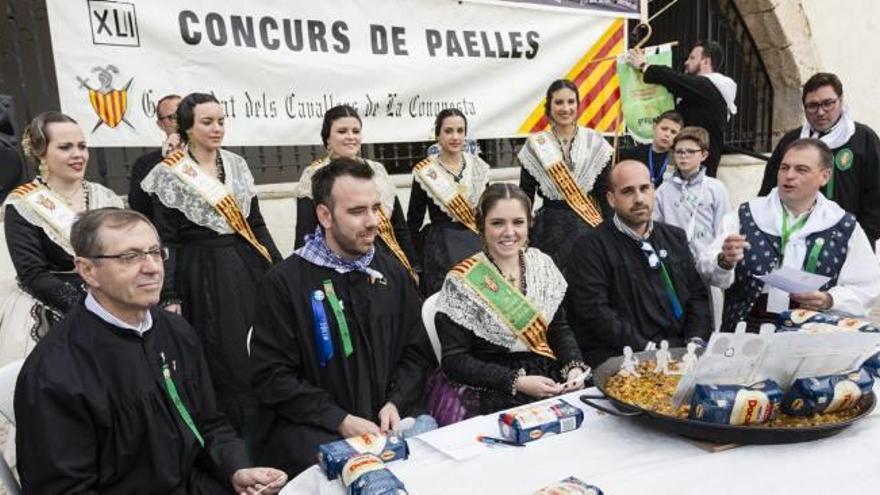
x=797 y=38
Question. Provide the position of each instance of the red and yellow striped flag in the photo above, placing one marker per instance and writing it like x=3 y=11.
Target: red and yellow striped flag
x=597 y=84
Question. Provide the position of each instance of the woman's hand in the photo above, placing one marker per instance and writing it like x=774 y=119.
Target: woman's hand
x=575 y=380
x=538 y=386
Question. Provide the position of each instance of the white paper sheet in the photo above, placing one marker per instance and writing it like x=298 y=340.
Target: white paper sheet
x=459 y=441
x=793 y=281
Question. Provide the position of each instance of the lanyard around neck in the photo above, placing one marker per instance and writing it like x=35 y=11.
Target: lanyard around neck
x=171 y=389
x=787 y=230
x=654 y=178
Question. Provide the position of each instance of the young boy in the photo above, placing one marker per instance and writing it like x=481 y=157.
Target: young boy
x=692 y=200
x=656 y=155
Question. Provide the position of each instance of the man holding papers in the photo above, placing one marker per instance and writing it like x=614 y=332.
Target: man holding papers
x=794 y=227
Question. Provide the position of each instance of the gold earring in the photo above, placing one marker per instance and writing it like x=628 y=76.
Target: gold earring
x=44 y=169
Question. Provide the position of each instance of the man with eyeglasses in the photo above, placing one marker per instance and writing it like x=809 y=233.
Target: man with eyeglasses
x=796 y=227
x=636 y=282
x=117 y=397
x=166 y=120
x=854 y=182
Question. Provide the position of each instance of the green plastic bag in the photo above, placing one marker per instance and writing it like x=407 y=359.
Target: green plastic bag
x=641 y=102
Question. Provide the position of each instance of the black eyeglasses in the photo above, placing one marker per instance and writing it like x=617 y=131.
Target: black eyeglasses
x=684 y=152
x=134 y=257
x=826 y=105
x=171 y=117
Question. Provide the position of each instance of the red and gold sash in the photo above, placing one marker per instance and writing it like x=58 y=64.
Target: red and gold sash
x=515 y=311
x=442 y=188
x=552 y=161
x=386 y=233
x=216 y=194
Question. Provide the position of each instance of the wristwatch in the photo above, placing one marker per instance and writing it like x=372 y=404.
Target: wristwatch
x=723 y=263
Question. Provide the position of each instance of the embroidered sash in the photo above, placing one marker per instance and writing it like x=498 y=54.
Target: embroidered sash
x=552 y=161
x=216 y=194
x=50 y=209
x=517 y=313
x=445 y=192
x=386 y=233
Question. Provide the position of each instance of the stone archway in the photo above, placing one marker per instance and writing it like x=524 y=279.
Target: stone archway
x=782 y=34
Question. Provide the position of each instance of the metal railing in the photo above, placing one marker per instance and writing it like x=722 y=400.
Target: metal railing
x=689 y=21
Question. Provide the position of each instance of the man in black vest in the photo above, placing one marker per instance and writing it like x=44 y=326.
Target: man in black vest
x=854 y=182
x=796 y=227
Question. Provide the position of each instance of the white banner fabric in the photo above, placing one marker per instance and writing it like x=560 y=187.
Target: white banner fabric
x=277 y=65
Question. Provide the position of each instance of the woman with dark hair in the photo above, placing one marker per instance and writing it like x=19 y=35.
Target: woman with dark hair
x=341 y=135
x=447 y=185
x=38 y=218
x=207 y=214
x=568 y=167
x=497 y=357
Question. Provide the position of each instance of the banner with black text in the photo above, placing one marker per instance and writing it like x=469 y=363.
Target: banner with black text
x=277 y=65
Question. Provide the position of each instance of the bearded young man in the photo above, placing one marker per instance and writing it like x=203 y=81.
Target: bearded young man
x=338 y=346
x=794 y=226
x=854 y=181
x=636 y=281
x=704 y=97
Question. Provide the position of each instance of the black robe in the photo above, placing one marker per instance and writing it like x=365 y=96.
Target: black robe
x=44 y=269
x=615 y=299
x=93 y=414
x=301 y=403
x=856 y=189
x=139 y=200
x=700 y=104
x=643 y=153
x=215 y=278
x=13 y=172
x=441 y=244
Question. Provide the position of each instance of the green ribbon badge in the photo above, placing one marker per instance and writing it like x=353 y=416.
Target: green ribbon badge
x=844 y=159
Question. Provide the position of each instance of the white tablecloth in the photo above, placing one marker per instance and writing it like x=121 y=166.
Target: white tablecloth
x=622 y=456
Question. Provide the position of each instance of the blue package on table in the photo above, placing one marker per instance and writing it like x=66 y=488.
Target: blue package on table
x=736 y=405
x=793 y=319
x=533 y=421
x=826 y=394
x=332 y=456
x=859 y=325
x=366 y=474
x=570 y=486
x=872 y=365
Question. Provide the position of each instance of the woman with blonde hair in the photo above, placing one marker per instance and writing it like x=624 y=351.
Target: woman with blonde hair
x=38 y=217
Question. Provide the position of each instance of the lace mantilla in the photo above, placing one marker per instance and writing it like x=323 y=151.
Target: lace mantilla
x=173 y=193
x=387 y=191
x=475 y=177
x=590 y=154
x=465 y=307
x=99 y=197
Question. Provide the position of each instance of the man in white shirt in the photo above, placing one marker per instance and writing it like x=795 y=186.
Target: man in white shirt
x=794 y=226
x=117 y=397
